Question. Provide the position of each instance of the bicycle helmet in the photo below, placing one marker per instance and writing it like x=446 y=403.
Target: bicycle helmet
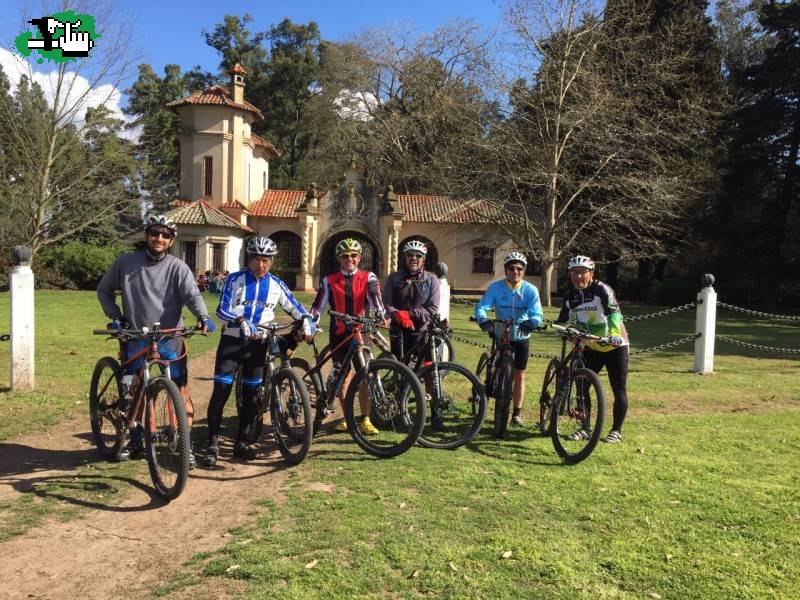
x=415 y=246
x=581 y=261
x=348 y=245
x=515 y=256
x=261 y=246
x=163 y=220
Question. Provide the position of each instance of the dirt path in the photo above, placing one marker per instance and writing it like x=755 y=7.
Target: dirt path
x=123 y=549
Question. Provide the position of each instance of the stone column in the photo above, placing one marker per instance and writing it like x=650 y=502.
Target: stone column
x=308 y=214
x=22 y=322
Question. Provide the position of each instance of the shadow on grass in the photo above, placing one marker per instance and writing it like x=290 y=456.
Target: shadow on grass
x=502 y=449
x=19 y=459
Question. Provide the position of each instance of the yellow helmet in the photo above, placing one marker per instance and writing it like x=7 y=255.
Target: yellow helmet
x=348 y=245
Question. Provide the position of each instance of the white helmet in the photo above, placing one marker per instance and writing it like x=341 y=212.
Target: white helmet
x=415 y=246
x=515 y=257
x=162 y=220
x=581 y=261
x=261 y=246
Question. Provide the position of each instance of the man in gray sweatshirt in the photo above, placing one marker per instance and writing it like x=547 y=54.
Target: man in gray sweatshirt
x=155 y=287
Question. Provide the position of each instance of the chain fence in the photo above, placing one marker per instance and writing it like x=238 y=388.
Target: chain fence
x=663 y=313
x=774 y=349
x=759 y=314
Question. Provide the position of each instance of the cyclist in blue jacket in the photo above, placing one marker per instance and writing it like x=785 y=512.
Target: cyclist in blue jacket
x=513 y=298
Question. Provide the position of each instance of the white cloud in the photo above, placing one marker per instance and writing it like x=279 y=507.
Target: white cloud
x=356 y=105
x=102 y=95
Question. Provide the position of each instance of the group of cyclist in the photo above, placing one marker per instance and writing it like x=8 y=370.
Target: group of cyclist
x=155 y=286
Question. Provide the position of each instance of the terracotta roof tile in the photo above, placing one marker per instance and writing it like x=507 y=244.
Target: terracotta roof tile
x=238 y=69
x=202 y=213
x=234 y=204
x=278 y=203
x=443 y=209
x=216 y=95
x=265 y=145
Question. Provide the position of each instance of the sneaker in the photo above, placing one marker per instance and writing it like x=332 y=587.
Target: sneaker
x=341 y=426
x=192 y=459
x=614 y=437
x=211 y=455
x=579 y=435
x=135 y=446
x=245 y=452
x=367 y=428
x=517 y=420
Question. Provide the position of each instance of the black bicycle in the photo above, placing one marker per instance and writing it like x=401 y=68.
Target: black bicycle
x=283 y=394
x=389 y=393
x=498 y=366
x=457 y=397
x=572 y=401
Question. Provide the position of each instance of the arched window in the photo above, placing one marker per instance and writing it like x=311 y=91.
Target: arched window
x=287 y=261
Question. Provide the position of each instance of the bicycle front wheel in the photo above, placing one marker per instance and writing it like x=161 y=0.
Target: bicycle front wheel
x=577 y=416
x=389 y=392
x=457 y=405
x=105 y=392
x=503 y=387
x=166 y=438
x=548 y=394
x=290 y=410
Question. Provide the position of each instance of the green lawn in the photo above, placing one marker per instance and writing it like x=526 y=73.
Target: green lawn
x=700 y=500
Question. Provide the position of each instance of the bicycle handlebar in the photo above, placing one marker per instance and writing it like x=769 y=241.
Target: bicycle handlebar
x=575 y=333
x=148 y=332
x=353 y=320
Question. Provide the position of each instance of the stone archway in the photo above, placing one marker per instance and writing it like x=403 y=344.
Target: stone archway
x=370 y=256
x=431 y=258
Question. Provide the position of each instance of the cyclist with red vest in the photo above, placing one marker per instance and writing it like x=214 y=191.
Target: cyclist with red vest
x=349 y=291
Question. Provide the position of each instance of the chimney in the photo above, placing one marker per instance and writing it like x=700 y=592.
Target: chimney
x=237 y=83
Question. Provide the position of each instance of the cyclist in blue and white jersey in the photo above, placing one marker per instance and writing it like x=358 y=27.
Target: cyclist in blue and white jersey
x=248 y=299
x=513 y=298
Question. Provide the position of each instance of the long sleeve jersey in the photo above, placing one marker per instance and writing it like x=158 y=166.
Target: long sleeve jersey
x=414 y=292
x=348 y=293
x=153 y=291
x=595 y=310
x=520 y=303
x=244 y=295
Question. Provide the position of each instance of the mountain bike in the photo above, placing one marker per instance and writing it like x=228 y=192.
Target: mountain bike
x=283 y=394
x=572 y=401
x=498 y=365
x=394 y=396
x=155 y=402
x=457 y=397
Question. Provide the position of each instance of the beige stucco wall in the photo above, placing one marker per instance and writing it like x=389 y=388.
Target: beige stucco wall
x=455 y=244
x=206 y=236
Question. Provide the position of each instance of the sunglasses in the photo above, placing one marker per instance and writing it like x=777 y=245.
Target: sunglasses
x=351 y=255
x=154 y=233
x=520 y=269
x=417 y=256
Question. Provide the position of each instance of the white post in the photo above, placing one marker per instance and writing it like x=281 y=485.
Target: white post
x=705 y=326
x=22 y=331
x=444 y=291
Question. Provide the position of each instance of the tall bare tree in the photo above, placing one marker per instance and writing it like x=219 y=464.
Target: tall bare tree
x=52 y=166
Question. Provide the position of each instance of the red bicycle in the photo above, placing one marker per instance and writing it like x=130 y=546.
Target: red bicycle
x=155 y=402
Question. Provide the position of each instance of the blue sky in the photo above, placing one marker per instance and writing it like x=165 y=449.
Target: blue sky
x=171 y=32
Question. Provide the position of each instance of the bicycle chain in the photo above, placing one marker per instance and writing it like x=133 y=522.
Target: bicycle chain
x=756 y=313
x=757 y=346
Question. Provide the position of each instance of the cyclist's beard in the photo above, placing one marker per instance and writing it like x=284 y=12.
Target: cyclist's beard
x=153 y=257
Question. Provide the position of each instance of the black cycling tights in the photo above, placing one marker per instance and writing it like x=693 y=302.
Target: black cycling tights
x=231 y=353
x=616 y=363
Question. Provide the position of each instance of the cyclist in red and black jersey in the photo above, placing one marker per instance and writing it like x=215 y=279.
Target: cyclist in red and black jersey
x=350 y=291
